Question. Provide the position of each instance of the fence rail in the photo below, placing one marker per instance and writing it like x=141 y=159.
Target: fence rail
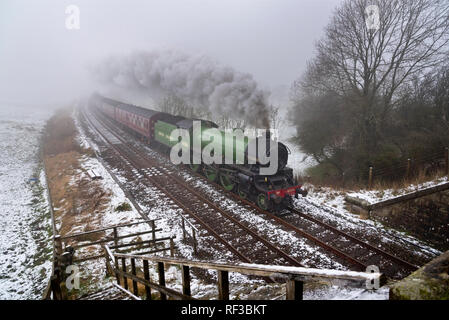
x=64 y=254
x=123 y=266
x=193 y=232
x=48 y=292
x=65 y=241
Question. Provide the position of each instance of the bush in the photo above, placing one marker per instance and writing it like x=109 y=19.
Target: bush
x=124 y=206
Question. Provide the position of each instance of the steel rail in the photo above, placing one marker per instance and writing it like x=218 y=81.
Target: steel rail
x=354 y=239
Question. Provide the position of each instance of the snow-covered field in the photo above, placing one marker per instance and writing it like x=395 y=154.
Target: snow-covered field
x=25 y=225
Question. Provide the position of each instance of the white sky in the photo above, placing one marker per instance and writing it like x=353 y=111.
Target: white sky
x=41 y=60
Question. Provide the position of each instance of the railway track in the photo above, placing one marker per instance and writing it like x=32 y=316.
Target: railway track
x=356 y=252
x=350 y=248
x=245 y=243
x=355 y=240
x=343 y=245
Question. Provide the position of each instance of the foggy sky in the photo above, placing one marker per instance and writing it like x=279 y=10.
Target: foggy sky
x=41 y=61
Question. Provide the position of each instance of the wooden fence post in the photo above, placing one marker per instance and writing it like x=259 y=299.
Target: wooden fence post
x=134 y=273
x=186 y=280
x=183 y=224
x=125 y=279
x=58 y=245
x=172 y=248
x=106 y=259
x=116 y=268
x=407 y=173
x=161 y=272
x=294 y=290
x=223 y=285
x=447 y=161
x=56 y=287
x=115 y=236
x=153 y=226
x=194 y=241
x=146 y=274
x=370 y=177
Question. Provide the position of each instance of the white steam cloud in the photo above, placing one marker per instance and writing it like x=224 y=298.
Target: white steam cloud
x=197 y=79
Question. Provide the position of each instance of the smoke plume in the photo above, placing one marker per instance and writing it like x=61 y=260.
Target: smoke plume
x=197 y=79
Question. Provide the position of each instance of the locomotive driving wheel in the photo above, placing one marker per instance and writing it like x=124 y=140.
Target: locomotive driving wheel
x=263 y=202
x=211 y=173
x=227 y=182
x=195 y=167
x=242 y=193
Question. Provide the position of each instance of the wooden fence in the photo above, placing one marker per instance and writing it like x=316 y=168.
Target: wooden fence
x=67 y=240
x=67 y=246
x=54 y=266
x=192 y=236
x=410 y=167
x=124 y=267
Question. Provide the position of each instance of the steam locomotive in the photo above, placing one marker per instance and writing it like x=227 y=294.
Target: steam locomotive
x=270 y=192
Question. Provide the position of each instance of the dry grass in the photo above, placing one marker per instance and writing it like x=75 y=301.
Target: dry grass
x=379 y=183
x=78 y=201
x=419 y=178
x=60 y=132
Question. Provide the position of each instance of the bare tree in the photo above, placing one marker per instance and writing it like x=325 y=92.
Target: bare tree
x=176 y=106
x=226 y=122
x=275 y=117
x=370 y=66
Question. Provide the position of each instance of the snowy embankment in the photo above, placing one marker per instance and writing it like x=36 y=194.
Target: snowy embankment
x=25 y=222
x=329 y=205
x=374 y=196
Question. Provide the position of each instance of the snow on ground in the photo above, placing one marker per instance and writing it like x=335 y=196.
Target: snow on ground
x=329 y=205
x=95 y=269
x=373 y=196
x=25 y=223
x=338 y=292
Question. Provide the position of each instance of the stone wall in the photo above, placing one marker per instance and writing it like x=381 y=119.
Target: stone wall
x=423 y=214
x=431 y=282
x=425 y=217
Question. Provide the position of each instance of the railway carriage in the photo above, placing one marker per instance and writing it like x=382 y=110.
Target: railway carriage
x=269 y=192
